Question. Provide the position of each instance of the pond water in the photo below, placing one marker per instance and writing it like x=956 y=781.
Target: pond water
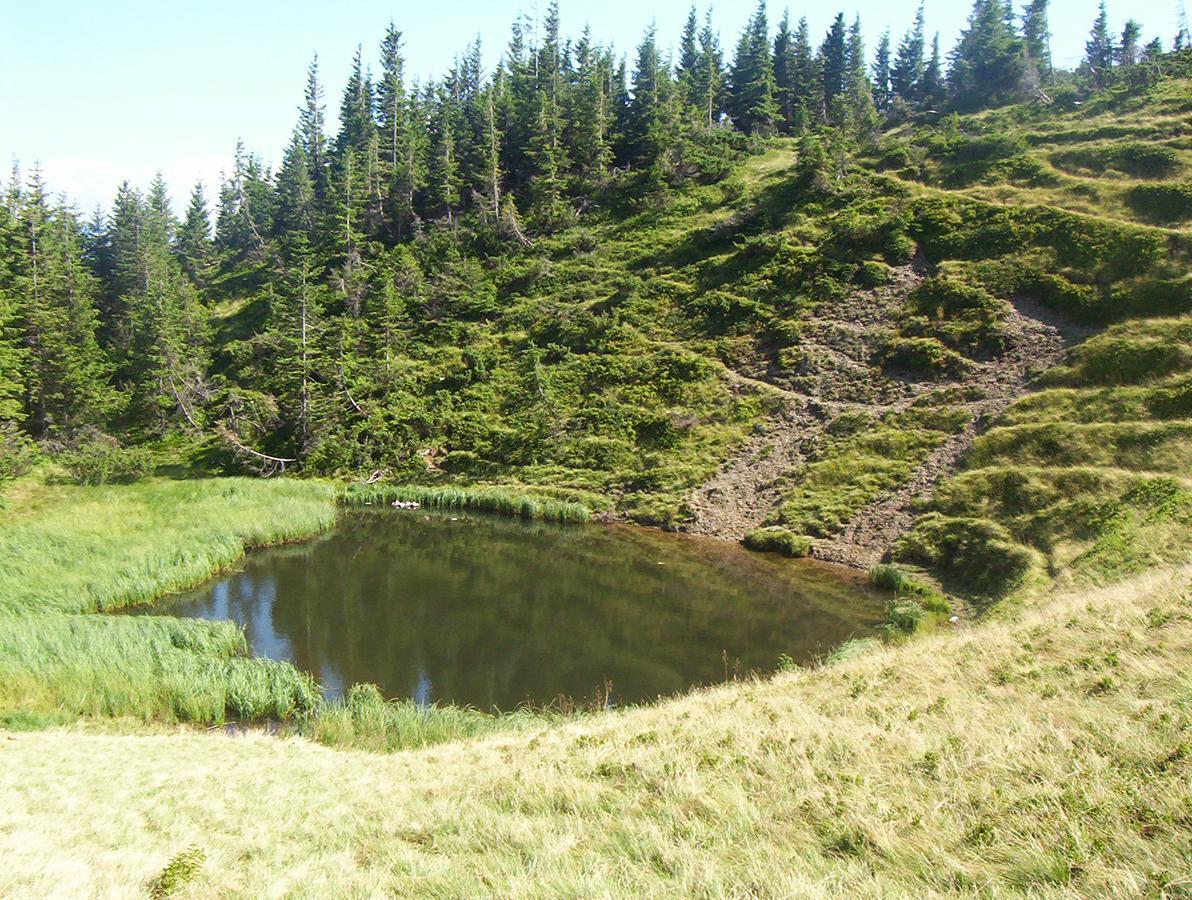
x=493 y=613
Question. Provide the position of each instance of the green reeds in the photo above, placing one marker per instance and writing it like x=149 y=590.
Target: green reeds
x=502 y=500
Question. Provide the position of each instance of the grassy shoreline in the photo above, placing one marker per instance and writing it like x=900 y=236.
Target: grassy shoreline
x=68 y=554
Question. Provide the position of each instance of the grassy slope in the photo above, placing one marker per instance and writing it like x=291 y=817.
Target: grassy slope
x=1048 y=753
x=1045 y=752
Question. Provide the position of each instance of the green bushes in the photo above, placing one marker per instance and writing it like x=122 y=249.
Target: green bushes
x=779 y=540
x=914 y=601
x=977 y=554
x=105 y=462
x=1135 y=158
x=505 y=501
x=926 y=355
x=1167 y=204
x=1132 y=353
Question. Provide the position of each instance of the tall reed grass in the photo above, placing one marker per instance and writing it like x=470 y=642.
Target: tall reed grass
x=503 y=500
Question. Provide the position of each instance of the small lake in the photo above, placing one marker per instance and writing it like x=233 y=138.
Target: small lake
x=492 y=613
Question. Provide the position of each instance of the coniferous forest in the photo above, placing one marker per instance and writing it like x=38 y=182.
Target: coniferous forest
x=399 y=292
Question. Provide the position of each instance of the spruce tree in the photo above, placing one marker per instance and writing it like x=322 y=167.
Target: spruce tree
x=834 y=64
x=881 y=72
x=1098 y=49
x=67 y=377
x=687 y=70
x=932 y=88
x=1128 y=51
x=987 y=62
x=1036 y=41
x=906 y=77
x=312 y=126
x=784 y=75
x=709 y=80
x=751 y=83
x=194 y=247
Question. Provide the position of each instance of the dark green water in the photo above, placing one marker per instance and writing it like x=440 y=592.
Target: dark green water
x=496 y=612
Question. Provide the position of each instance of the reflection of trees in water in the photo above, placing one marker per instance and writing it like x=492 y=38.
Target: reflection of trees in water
x=493 y=612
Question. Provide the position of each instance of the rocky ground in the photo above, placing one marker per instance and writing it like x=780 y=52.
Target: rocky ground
x=837 y=373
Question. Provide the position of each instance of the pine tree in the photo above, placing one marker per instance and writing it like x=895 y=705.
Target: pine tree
x=881 y=72
x=194 y=248
x=834 y=66
x=906 y=77
x=932 y=87
x=1128 y=52
x=1098 y=50
x=687 y=72
x=1036 y=41
x=806 y=79
x=751 y=83
x=987 y=63
x=312 y=126
x=709 y=81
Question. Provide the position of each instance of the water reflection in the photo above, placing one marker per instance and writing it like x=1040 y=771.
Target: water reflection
x=493 y=612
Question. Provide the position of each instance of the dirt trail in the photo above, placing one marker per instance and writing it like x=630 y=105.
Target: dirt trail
x=750 y=484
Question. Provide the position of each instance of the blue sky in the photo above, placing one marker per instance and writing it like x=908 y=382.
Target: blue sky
x=98 y=91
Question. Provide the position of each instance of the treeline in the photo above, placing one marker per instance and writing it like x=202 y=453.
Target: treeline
x=106 y=324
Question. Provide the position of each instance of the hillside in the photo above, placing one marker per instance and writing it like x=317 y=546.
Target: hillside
x=954 y=350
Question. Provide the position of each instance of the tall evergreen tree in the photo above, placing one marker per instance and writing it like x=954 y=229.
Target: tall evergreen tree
x=312 y=126
x=194 y=247
x=932 y=89
x=1036 y=41
x=709 y=78
x=687 y=69
x=751 y=82
x=784 y=74
x=881 y=72
x=906 y=77
x=987 y=62
x=1098 y=49
x=1129 y=51
x=67 y=377
x=834 y=64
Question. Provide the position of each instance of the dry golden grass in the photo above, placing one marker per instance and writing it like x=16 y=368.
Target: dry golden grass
x=1048 y=753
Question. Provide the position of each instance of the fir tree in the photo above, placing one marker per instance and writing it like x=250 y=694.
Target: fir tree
x=881 y=72
x=751 y=82
x=1036 y=41
x=194 y=248
x=906 y=77
x=834 y=63
x=1128 y=52
x=1098 y=50
x=987 y=63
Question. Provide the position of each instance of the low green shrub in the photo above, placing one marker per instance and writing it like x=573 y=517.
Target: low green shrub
x=926 y=355
x=105 y=462
x=1167 y=204
x=775 y=539
x=978 y=555
x=18 y=452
